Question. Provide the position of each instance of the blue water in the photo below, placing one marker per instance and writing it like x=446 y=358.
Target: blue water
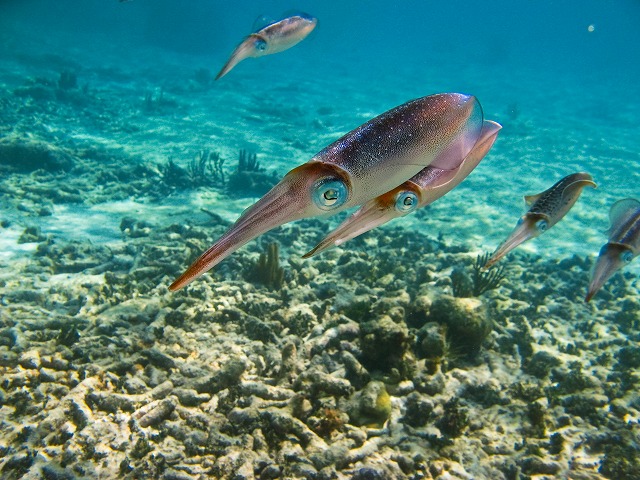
x=560 y=76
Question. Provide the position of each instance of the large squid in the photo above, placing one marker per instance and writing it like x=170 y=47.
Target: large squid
x=419 y=191
x=547 y=209
x=273 y=38
x=623 y=244
x=365 y=163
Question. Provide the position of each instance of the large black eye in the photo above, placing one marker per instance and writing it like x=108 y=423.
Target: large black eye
x=406 y=202
x=260 y=44
x=626 y=256
x=329 y=194
x=542 y=225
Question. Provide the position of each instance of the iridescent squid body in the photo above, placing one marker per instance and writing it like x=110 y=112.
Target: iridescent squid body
x=623 y=245
x=422 y=189
x=273 y=38
x=363 y=164
x=547 y=209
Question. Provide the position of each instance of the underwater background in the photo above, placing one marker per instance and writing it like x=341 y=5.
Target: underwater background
x=391 y=356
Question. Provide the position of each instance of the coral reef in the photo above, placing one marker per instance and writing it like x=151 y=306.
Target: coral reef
x=267 y=271
x=353 y=365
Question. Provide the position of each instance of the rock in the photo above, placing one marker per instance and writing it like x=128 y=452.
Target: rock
x=109 y=402
x=30 y=360
x=466 y=319
x=191 y=398
x=454 y=420
x=417 y=410
x=431 y=342
x=135 y=386
x=300 y=319
x=385 y=345
x=537 y=466
x=541 y=363
x=26 y=155
x=51 y=472
x=256 y=329
x=155 y=413
x=270 y=472
x=316 y=382
x=369 y=473
x=430 y=384
x=229 y=375
x=159 y=359
x=357 y=375
x=332 y=337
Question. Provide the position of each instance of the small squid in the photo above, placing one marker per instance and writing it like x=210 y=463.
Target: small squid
x=419 y=191
x=364 y=163
x=547 y=209
x=273 y=38
x=623 y=244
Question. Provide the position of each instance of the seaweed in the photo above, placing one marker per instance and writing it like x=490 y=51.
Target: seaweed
x=206 y=169
x=250 y=179
x=329 y=421
x=481 y=280
x=267 y=270
x=461 y=283
x=174 y=176
x=484 y=280
x=248 y=162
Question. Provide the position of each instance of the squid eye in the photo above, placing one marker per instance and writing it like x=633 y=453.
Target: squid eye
x=329 y=194
x=406 y=202
x=542 y=225
x=626 y=256
x=260 y=45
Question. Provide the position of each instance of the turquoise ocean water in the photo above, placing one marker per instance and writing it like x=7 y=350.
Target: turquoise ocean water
x=106 y=107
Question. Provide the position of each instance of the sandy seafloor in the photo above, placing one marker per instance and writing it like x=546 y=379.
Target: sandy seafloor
x=349 y=370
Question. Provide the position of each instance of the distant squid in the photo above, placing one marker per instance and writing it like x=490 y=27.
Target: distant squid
x=419 y=191
x=623 y=245
x=547 y=209
x=363 y=164
x=273 y=38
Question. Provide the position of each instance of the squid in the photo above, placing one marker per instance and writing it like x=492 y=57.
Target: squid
x=363 y=164
x=273 y=38
x=623 y=245
x=547 y=209
x=419 y=191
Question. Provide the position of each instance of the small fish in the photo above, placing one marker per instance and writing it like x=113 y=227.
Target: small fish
x=419 y=191
x=273 y=38
x=547 y=209
x=623 y=245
